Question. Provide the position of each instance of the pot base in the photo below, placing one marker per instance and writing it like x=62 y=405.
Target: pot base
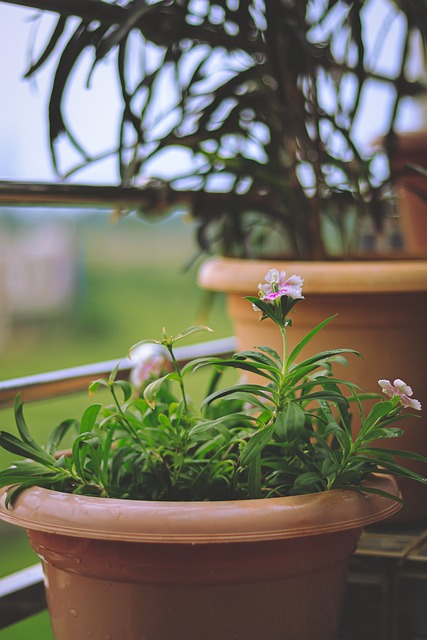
x=281 y=590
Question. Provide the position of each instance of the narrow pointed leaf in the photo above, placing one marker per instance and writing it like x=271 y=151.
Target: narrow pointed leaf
x=190 y=330
x=57 y=435
x=22 y=426
x=310 y=335
x=21 y=448
x=255 y=445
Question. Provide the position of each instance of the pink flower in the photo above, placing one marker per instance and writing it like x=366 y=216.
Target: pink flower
x=151 y=362
x=401 y=389
x=278 y=286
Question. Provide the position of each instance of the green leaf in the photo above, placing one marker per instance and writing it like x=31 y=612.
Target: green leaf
x=57 y=434
x=310 y=335
x=80 y=451
x=330 y=396
x=254 y=478
x=308 y=482
x=325 y=356
x=242 y=397
x=258 y=369
x=376 y=414
x=289 y=424
x=24 y=470
x=255 y=445
x=380 y=453
x=97 y=383
x=253 y=389
x=126 y=387
x=268 y=310
x=89 y=418
x=22 y=427
x=151 y=391
x=258 y=357
x=14 y=445
x=208 y=425
x=379 y=492
x=113 y=374
x=190 y=330
x=141 y=342
x=271 y=352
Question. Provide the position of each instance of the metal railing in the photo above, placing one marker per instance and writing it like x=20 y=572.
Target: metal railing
x=151 y=197
x=22 y=595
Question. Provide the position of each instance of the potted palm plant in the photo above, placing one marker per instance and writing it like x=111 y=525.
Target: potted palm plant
x=264 y=99
x=234 y=521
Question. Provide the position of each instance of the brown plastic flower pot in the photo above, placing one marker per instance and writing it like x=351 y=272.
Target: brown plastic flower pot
x=136 y=570
x=381 y=309
x=411 y=188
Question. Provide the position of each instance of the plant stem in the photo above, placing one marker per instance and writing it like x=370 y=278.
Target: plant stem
x=283 y=371
x=124 y=420
x=284 y=351
x=181 y=383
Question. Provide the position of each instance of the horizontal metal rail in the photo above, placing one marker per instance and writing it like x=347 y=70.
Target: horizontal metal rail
x=153 y=197
x=22 y=595
x=63 y=382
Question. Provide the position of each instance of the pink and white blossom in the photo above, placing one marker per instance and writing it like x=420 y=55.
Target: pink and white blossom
x=277 y=286
x=151 y=362
x=402 y=390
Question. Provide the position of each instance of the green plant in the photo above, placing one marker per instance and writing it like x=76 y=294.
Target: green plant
x=263 y=96
x=291 y=435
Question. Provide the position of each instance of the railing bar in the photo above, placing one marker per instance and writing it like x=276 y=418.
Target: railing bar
x=22 y=595
x=153 y=197
x=21 y=580
x=62 y=382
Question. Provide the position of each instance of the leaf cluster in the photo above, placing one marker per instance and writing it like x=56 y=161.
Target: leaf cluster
x=262 y=96
x=287 y=432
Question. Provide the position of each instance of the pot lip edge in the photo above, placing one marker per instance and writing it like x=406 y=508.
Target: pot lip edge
x=237 y=275
x=365 y=508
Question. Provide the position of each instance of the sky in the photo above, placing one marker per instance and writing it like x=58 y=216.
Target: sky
x=24 y=148
x=22 y=125
x=24 y=151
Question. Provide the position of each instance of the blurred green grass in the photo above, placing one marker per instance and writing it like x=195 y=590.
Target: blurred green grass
x=131 y=283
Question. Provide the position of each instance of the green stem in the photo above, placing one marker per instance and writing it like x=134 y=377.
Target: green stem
x=284 y=352
x=283 y=370
x=181 y=384
x=124 y=420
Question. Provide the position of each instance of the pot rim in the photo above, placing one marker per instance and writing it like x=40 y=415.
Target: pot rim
x=73 y=515
x=236 y=275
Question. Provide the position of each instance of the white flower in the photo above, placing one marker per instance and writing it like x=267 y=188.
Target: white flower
x=278 y=286
x=401 y=389
x=151 y=362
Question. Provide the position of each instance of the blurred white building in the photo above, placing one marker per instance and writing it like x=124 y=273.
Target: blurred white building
x=38 y=274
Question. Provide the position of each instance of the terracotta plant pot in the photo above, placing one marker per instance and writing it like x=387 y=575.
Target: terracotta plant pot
x=411 y=190
x=127 y=570
x=382 y=312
